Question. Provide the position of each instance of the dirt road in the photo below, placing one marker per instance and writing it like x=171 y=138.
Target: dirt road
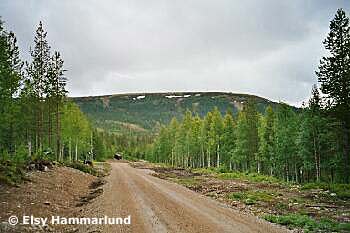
x=156 y=205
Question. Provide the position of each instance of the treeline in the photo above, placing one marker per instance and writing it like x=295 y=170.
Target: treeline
x=299 y=147
x=36 y=118
x=309 y=144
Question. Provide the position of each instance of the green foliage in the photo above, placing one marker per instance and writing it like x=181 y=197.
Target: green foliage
x=206 y=171
x=37 y=123
x=84 y=168
x=11 y=171
x=307 y=223
x=253 y=177
x=156 y=109
x=14 y=166
x=334 y=77
x=246 y=149
x=342 y=190
x=282 y=143
x=188 y=182
x=222 y=173
x=252 y=197
x=76 y=132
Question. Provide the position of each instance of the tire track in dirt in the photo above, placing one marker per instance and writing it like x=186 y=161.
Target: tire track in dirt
x=156 y=205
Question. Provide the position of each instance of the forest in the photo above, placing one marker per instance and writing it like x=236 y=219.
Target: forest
x=310 y=144
x=38 y=121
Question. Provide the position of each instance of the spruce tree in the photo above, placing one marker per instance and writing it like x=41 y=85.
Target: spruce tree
x=334 y=76
x=10 y=78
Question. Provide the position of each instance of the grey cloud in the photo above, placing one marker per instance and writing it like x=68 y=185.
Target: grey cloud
x=269 y=48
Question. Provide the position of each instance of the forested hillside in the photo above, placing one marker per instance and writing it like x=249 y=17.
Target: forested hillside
x=140 y=112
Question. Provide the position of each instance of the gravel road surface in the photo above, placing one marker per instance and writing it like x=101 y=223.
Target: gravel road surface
x=156 y=205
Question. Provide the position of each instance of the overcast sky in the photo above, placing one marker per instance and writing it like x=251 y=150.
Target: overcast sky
x=267 y=48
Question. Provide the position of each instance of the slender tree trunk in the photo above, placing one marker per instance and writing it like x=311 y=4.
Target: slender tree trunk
x=346 y=153
x=37 y=129
x=208 y=154
x=70 y=149
x=172 y=157
x=316 y=159
x=76 y=150
x=41 y=136
x=218 y=156
x=203 y=159
x=296 y=172
x=50 y=124
x=29 y=148
x=271 y=170
x=58 y=130
x=62 y=153
x=91 y=147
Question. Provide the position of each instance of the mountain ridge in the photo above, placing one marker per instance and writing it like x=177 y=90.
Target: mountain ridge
x=144 y=111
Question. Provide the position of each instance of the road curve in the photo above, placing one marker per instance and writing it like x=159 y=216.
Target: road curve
x=156 y=205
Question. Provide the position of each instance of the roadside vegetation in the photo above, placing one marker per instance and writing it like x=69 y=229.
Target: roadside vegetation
x=308 y=224
x=311 y=207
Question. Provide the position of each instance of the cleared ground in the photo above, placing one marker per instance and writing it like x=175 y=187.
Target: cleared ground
x=157 y=205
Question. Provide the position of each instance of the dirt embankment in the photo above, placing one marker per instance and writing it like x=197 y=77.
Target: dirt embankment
x=60 y=191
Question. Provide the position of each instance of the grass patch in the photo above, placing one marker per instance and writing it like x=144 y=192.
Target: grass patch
x=13 y=167
x=11 y=173
x=253 y=177
x=84 y=168
x=204 y=171
x=222 y=173
x=252 y=197
x=188 y=182
x=307 y=223
x=342 y=190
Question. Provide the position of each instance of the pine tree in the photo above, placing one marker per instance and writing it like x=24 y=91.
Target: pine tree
x=38 y=72
x=57 y=92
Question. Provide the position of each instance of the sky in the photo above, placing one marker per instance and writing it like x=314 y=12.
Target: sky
x=268 y=48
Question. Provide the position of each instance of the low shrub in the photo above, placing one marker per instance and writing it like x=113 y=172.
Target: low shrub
x=253 y=177
x=342 y=190
x=307 y=223
x=252 y=197
x=84 y=168
x=12 y=168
